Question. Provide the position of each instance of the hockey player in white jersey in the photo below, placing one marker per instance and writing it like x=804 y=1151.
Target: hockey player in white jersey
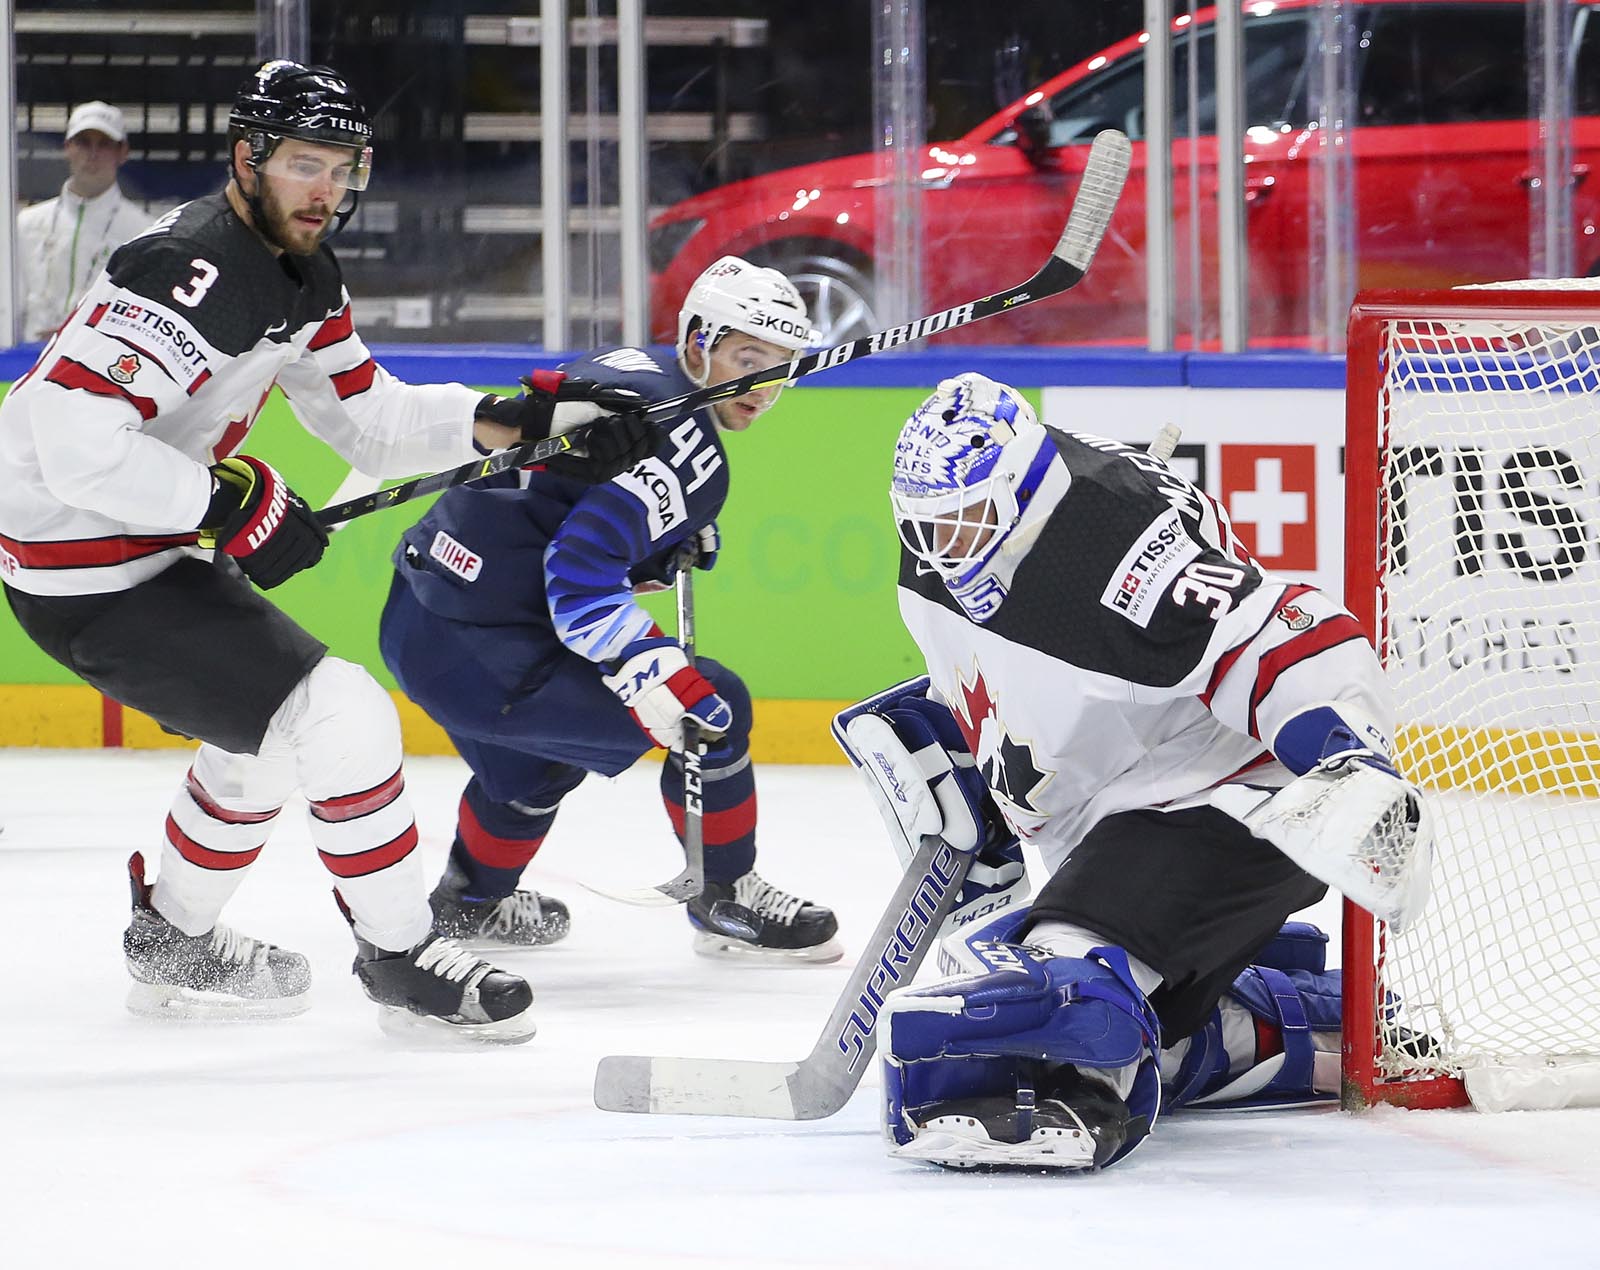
x=131 y=530
x=1194 y=746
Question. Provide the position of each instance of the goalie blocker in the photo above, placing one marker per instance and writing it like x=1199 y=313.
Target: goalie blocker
x=924 y=784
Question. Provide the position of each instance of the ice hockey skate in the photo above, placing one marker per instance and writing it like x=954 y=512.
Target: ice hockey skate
x=523 y=919
x=220 y=975
x=439 y=989
x=781 y=927
x=1073 y=1122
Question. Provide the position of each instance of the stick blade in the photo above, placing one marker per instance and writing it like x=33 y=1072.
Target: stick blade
x=696 y=1087
x=1096 y=199
x=679 y=890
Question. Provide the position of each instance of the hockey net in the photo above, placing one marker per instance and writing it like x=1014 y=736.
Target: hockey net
x=1473 y=558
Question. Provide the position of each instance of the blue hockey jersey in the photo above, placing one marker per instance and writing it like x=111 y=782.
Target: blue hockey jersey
x=555 y=560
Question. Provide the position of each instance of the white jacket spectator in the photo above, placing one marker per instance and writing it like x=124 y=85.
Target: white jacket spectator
x=64 y=242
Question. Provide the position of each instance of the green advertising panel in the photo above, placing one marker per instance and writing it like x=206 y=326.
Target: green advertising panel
x=801 y=602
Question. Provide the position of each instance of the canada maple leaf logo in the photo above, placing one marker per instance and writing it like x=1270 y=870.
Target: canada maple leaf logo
x=1007 y=764
x=125 y=368
x=1294 y=617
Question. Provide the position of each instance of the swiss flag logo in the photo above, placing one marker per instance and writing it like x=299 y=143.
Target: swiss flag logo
x=1270 y=491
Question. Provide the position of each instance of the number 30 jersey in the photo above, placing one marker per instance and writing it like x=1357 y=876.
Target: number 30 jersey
x=1138 y=655
x=161 y=371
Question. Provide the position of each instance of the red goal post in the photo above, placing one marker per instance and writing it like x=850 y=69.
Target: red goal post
x=1472 y=558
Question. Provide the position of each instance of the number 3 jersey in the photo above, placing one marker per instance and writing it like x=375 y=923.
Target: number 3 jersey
x=161 y=371
x=1136 y=657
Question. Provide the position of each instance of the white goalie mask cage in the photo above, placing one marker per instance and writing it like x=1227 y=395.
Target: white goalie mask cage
x=965 y=467
x=735 y=295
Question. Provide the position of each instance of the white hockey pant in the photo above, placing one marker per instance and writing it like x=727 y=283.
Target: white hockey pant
x=336 y=738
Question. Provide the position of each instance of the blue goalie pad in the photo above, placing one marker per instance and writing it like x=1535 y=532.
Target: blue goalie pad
x=995 y=1033
x=1297 y=1003
x=1296 y=946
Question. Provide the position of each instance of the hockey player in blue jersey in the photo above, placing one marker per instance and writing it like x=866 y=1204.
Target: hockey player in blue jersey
x=1196 y=748
x=512 y=621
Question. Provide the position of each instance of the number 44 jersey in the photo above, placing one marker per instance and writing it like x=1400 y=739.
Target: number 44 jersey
x=1132 y=654
x=162 y=370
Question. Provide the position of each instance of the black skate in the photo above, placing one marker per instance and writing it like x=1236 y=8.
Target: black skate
x=755 y=920
x=523 y=919
x=440 y=987
x=219 y=975
x=1072 y=1122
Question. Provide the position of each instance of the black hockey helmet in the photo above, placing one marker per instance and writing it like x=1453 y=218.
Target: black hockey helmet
x=310 y=103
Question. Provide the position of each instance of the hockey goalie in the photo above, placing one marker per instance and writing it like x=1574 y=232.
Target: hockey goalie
x=1196 y=748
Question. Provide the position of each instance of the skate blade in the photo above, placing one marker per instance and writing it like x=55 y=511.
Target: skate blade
x=429 y=1031
x=192 y=1005
x=1067 y=1150
x=709 y=943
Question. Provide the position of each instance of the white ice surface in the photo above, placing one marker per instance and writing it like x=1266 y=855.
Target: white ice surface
x=317 y=1141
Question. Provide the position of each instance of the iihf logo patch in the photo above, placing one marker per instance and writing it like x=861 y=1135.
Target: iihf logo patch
x=125 y=368
x=1294 y=617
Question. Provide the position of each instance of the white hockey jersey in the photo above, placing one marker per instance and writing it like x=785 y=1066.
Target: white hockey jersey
x=161 y=371
x=1140 y=656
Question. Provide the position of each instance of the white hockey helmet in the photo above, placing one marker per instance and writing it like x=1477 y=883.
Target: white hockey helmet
x=966 y=465
x=735 y=295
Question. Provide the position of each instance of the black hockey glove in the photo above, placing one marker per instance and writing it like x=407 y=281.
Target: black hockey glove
x=262 y=523
x=616 y=436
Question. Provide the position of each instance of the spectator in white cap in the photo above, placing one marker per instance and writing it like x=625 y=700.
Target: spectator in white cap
x=65 y=241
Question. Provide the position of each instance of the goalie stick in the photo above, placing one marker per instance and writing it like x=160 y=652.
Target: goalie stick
x=1097 y=195
x=819 y=1084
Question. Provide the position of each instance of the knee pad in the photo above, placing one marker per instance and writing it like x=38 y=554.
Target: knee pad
x=996 y=1032
x=342 y=729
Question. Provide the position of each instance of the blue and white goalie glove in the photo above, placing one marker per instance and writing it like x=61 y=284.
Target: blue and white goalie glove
x=925 y=784
x=654 y=679
x=1349 y=818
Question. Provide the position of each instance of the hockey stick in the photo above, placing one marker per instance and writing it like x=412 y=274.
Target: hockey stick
x=725 y=916
x=1098 y=191
x=820 y=1083
x=692 y=880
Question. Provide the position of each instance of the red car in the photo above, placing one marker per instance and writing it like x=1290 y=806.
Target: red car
x=1441 y=165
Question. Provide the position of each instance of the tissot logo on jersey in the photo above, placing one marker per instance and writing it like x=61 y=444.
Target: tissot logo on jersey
x=175 y=344
x=1149 y=568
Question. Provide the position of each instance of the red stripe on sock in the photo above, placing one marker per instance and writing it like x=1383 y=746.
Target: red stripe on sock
x=361 y=863
x=205 y=857
x=217 y=811
x=353 y=806
x=490 y=850
x=718 y=828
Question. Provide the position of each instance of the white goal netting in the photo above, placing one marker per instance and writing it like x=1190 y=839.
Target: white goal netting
x=1489 y=606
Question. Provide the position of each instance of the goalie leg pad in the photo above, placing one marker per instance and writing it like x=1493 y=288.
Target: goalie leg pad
x=1296 y=1005
x=1024 y=1034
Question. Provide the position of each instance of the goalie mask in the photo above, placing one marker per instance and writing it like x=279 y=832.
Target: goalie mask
x=735 y=295
x=966 y=467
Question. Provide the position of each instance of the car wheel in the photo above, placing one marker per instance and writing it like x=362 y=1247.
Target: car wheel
x=838 y=293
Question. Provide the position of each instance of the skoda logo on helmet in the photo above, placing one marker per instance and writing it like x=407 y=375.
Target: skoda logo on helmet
x=763 y=322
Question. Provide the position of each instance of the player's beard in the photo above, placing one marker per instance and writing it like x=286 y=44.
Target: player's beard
x=280 y=227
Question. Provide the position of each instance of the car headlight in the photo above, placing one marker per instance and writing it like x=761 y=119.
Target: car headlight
x=666 y=241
